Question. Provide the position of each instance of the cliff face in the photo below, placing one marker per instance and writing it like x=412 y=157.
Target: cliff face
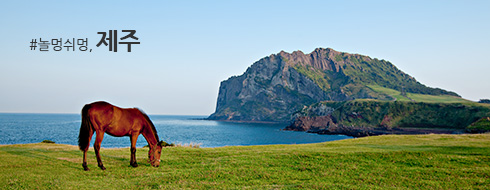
x=275 y=87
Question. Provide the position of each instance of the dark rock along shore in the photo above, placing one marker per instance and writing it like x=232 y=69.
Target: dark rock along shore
x=325 y=125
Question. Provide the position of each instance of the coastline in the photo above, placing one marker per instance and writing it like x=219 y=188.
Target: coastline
x=245 y=121
x=351 y=131
x=365 y=132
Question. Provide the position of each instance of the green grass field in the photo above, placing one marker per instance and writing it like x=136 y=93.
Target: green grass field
x=380 y=162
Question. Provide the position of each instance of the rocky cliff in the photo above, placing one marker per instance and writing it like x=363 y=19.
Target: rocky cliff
x=275 y=87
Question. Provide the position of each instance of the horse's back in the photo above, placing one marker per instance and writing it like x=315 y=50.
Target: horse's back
x=101 y=105
x=101 y=112
x=114 y=120
x=105 y=108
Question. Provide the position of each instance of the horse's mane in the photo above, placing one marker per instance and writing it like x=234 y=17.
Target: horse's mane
x=153 y=129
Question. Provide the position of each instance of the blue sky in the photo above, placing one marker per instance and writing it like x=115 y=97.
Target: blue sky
x=188 y=47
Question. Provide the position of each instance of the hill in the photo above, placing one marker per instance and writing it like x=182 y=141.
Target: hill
x=374 y=117
x=275 y=87
x=381 y=162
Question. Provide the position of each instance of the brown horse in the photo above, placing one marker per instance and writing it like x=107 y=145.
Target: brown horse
x=102 y=117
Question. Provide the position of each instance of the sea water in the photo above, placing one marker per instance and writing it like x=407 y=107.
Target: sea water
x=16 y=128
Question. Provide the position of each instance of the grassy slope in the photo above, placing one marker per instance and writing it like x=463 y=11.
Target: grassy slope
x=418 y=97
x=373 y=113
x=381 y=162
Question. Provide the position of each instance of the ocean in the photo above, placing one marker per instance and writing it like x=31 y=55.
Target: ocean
x=16 y=128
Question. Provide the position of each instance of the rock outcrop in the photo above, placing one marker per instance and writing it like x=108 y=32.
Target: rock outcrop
x=360 y=118
x=312 y=124
x=480 y=126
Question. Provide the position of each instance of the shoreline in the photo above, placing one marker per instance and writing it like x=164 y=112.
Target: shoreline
x=355 y=131
x=244 y=121
x=365 y=131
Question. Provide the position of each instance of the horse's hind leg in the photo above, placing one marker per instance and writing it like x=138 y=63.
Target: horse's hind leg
x=84 y=164
x=133 y=162
x=98 y=141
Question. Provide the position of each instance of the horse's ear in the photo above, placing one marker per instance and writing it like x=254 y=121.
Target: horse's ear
x=161 y=143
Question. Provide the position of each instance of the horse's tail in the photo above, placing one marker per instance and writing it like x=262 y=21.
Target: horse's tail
x=85 y=129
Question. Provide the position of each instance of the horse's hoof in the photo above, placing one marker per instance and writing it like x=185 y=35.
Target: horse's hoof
x=102 y=167
x=85 y=167
x=134 y=165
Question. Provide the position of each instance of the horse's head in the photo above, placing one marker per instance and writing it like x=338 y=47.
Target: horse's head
x=155 y=153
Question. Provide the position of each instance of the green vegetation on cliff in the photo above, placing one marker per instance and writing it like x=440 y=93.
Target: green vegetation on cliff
x=381 y=162
x=395 y=114
x=316 y=75
x=399 y=113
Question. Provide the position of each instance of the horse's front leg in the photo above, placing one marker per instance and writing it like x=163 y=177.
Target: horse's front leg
x=98 y=141
x=133 y=138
